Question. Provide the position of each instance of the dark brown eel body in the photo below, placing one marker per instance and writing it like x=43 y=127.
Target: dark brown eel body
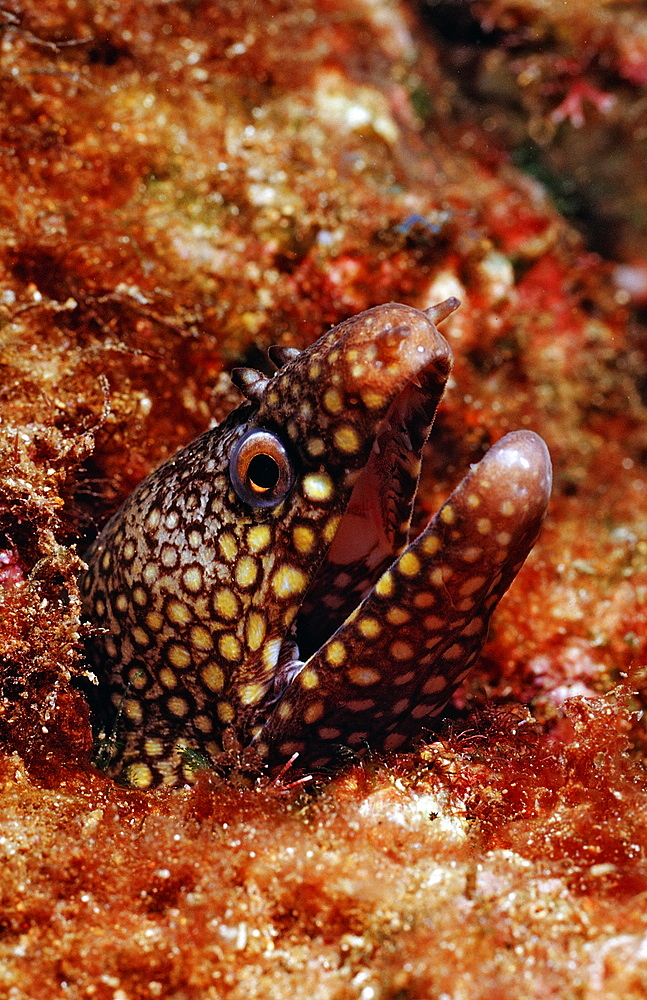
x=258 y=593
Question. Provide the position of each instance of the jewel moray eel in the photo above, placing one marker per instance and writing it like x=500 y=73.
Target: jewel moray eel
x=259 y=595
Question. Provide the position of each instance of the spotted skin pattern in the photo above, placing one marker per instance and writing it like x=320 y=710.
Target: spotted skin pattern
x=258 y=594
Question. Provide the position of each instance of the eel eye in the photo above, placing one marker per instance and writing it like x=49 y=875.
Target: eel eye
x=260 y=470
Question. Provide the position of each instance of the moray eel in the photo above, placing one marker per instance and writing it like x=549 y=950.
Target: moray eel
x=258 y=596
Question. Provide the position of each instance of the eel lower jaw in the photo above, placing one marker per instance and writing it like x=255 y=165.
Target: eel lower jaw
x=392 y=665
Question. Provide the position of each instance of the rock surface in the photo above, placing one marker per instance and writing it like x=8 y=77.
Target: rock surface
x=180 y=186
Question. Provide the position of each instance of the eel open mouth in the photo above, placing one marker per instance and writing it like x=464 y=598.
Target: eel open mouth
x=388 y=627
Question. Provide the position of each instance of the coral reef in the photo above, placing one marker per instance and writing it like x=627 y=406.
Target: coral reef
x=180 y=186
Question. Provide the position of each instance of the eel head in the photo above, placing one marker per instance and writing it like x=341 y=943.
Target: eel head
x=260 y=594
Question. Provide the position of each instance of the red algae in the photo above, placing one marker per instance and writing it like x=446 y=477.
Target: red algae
x=525 y=841
x=180 y=187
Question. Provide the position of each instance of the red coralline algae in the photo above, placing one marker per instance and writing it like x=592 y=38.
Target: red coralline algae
x=181 y=187
x=525 y=840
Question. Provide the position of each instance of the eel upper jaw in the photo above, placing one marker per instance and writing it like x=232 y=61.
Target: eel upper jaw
x=374 y=529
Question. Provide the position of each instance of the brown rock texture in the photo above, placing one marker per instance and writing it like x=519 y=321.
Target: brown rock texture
x=182 y=185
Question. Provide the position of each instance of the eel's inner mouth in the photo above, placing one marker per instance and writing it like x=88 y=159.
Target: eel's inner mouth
x=374 y=529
